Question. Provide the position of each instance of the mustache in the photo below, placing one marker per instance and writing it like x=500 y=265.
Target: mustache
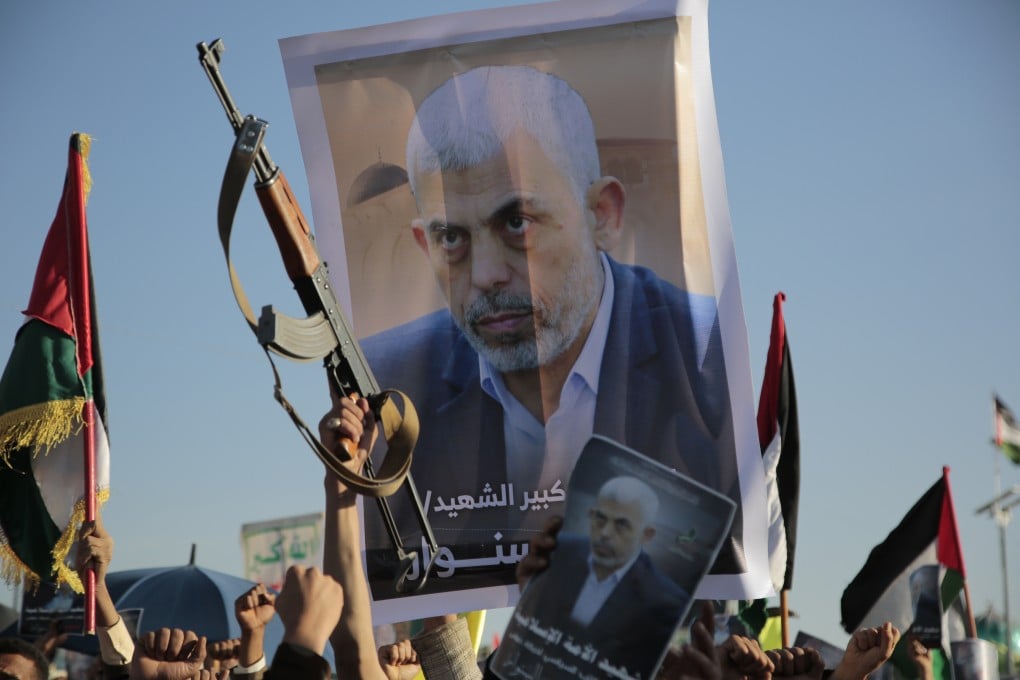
x=498 y=303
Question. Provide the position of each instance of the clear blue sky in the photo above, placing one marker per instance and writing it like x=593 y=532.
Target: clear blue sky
x=872 y=158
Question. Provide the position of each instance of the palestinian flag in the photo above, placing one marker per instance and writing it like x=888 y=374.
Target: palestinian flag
x=880 y=592
x=53 y=445
x=779 y=438
x=1007 y=432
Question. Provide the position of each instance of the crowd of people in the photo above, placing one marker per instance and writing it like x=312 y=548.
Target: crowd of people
x=331 y=606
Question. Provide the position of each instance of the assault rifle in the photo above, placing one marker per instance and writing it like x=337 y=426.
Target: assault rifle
x=324 y=334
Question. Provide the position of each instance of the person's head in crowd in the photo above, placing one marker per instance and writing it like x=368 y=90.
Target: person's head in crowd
x=621 y=523
x=513 y=211
x=21 y=660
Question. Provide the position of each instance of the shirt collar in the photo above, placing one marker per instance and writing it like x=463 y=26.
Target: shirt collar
x=617 y=575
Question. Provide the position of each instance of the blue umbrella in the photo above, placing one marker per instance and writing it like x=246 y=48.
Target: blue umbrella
x=188 y=597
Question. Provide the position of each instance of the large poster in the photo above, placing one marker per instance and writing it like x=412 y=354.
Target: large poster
x=524 y=213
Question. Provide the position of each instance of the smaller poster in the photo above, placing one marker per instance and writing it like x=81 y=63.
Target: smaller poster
x=273 y=546
x=637 y=538
x=924 y=596
x=50 y=603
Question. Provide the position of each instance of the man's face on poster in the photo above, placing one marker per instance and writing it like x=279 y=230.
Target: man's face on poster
x=618 y=531
x=513 y=248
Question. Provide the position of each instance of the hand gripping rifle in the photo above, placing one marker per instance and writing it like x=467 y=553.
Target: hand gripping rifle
x=324 y=334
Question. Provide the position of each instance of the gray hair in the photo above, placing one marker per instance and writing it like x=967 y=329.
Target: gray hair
x=632 y=491
x=467 y=120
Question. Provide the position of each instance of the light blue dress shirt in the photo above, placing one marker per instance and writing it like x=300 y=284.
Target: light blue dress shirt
x=537 y=456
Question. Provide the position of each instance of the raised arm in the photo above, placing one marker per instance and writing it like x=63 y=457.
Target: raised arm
x=349 y=421
x=920 y=656
x=95 y=550
x=254 y=609
x=867 y=649
x=309 y=607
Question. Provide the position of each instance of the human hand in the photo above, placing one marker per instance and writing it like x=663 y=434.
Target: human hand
x=742 y=658
x=254 y=609
x=309 y=606
x=697 y=658
x=921 y=658
x=796 y=663
x=867 y=649
x=399 y=661
x=168 y=654
x=349 y=431
x=95 y=549
x=539 y=548
x=223 y=654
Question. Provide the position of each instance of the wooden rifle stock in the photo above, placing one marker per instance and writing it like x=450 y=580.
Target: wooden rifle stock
x=290 y=228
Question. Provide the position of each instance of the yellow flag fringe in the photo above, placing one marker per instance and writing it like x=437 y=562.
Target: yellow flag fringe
x=39 y=426
x=13 y=570
x=84 y=146
x=64 y=573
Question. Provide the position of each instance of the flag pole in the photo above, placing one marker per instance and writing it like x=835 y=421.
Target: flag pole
x=80 y=286
x=999 y=509
x=90 y=511
x=1002 y=518
x=784 y=614
x=1001 y=515
x=971 y=623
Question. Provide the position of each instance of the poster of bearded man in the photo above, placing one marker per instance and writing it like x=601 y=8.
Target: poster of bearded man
x=524 y=214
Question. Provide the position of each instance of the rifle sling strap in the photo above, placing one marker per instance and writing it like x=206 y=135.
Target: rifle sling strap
x=399 y=430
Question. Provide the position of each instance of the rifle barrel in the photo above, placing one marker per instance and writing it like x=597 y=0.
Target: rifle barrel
x=209 y=56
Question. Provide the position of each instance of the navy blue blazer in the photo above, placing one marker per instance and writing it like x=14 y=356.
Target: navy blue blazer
x=662 y=391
